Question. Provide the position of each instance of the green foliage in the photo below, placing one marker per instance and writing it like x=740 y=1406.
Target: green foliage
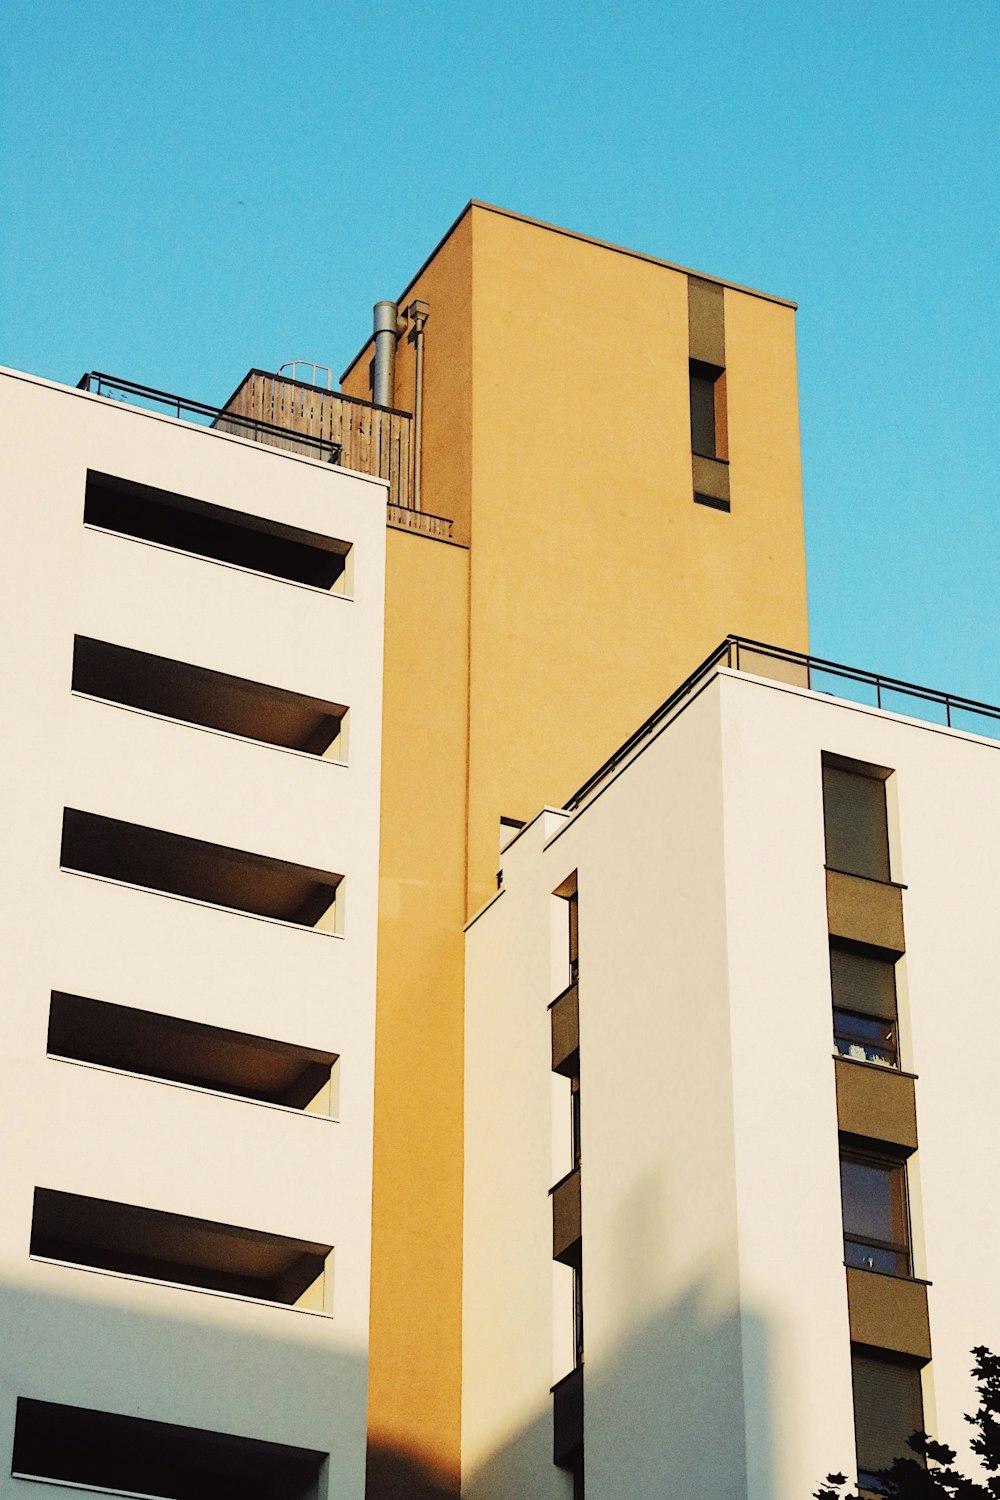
x=910 y=1479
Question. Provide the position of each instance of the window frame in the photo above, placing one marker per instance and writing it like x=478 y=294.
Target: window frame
x=902 y=1249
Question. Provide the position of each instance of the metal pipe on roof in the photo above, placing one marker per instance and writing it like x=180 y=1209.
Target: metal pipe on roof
x=386 y=327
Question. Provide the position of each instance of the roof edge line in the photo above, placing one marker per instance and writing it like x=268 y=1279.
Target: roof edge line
x=573 y=234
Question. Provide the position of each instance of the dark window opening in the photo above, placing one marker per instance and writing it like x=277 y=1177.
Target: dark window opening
x=705 y=402
x=74 y=1446
x=888 y=1409
x=864 y=1005
x=214 y=700
x=578 y=1313
x=180 y=1051
x=573 y=905
x=200 y=1253
x=876 y=1219
x=179 y=866
x=214 y=531
x=856 y=822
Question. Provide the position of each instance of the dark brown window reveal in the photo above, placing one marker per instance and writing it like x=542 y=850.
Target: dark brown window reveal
x=704 y=416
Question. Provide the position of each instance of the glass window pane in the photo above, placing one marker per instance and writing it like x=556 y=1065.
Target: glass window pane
x=864 y=1038
x=872 y=1200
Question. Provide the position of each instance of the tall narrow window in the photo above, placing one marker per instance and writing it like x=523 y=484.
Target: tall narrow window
x=864 y=1005
x=856 y=821
x=574 y=937
x=888 y=1409
x=704 y=408
x=876 y=1221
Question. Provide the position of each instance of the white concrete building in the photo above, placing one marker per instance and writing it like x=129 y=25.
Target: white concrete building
x=755 y=959
x=192 y=672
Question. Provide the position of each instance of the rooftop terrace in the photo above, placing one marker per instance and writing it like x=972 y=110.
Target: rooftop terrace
x=815 y=673
x=300 y=418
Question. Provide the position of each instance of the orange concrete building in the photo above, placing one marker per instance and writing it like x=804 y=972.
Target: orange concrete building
x=615 y=442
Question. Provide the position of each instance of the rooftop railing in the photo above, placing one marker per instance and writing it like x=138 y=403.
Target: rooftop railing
x=873 y=689
x=234 y=424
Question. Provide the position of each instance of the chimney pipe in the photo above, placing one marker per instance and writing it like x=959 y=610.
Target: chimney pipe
x=386 y=325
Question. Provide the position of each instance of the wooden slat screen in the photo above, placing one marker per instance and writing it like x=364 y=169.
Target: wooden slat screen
x=374 y=441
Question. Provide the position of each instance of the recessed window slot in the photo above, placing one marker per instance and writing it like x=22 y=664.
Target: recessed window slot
x=216 y=532
x=214 y=700
x=133 y=1241
x=179 y=866
x=180 y=1051
x=75 y=1446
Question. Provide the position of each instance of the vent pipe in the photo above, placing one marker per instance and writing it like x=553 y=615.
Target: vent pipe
x=417 y=314
x=386 y=325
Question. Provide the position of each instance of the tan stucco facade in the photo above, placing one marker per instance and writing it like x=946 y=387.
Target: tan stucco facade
x=556 y=436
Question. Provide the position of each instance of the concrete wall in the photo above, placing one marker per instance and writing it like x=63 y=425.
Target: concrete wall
x=114 y=1342
x=715 y=1306
x=946 y=810
x=417 y=1225
x=557 y=437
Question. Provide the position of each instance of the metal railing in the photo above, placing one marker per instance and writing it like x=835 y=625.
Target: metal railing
x=234 y=424
x=292 y=367
x=872 y=689
x=419 y=520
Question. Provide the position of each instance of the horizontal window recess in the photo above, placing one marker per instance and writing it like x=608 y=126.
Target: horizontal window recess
x=215 y=531
x=180 y=1051
x=179 y=866
x=214 y=700
x=199 y=1253
x=104 y=1450
x=712 y=501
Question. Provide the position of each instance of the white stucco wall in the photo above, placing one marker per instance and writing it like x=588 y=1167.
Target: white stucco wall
x=715 y=1307
x=110 y=1342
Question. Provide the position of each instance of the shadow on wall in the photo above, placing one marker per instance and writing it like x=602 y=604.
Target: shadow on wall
x=684 y=1408
x=392 y=1475
x=670 y=1402
x=93 y=1346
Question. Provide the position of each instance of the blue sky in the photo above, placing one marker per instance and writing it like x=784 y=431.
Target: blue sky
x=194 y=188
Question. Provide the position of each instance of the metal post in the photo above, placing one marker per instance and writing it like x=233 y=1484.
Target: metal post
x=417 y=313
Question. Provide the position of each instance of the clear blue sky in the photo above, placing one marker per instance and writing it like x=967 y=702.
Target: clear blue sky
x=196 y=187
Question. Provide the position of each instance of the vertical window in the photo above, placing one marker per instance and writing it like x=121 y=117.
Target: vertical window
x=856 y=822
x=705 y=425
x=575 y=1108
x=888 y=1409
x=864 y=1005
x=574 y=937
x=876 y=1221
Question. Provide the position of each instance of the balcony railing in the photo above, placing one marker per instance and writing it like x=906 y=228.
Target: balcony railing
x=819 y=676
x=234 y=423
